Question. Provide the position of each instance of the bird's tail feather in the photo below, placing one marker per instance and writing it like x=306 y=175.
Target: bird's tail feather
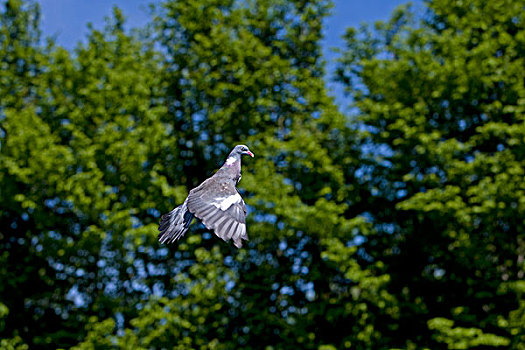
x=174 y=224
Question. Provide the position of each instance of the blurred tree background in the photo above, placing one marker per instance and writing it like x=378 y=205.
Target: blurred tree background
x=399 y=224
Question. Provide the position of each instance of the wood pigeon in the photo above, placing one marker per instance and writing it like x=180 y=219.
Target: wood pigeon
x=216 y=202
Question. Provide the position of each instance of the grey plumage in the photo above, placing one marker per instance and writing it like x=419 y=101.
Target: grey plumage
x=216 y=202
x=174 y=224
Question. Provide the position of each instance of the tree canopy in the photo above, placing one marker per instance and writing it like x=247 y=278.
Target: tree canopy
x=399 y=224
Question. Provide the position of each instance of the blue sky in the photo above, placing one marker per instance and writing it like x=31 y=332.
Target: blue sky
x=67 y=20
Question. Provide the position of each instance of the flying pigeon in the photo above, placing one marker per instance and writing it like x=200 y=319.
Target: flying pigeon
x=216 y=202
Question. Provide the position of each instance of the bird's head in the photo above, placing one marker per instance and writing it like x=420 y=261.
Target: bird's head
x=242 y=149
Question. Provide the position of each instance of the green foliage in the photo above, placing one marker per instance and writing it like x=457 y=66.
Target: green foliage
x=439 y=101
x=400 y=225
x=463 y=338
x=9 y=343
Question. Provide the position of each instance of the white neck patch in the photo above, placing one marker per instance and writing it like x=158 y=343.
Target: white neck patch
x=230 y=161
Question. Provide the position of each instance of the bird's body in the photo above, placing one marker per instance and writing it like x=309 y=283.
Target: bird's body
x=216 y=202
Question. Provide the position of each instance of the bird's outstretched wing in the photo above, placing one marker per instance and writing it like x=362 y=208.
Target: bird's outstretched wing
x=220 y=208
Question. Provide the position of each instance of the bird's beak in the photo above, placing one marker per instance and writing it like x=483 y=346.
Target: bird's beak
x=250 y=154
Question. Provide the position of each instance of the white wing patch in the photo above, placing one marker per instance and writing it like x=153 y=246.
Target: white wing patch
x=227 y=202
